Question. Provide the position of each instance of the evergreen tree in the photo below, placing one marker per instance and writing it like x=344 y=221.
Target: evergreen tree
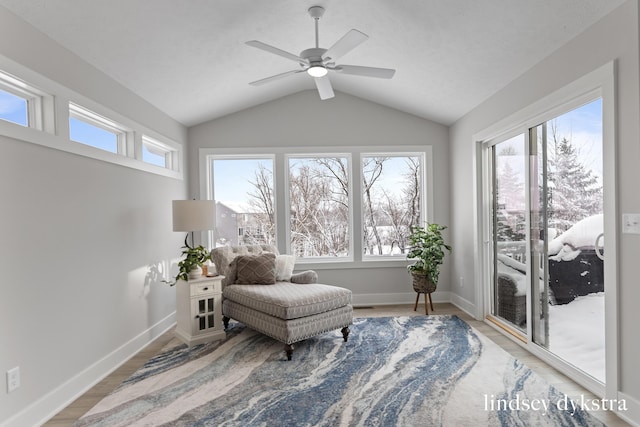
x=510 y=197
x=574 y=190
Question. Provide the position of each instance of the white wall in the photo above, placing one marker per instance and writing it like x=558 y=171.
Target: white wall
x=80 y=242
x=613 y=38
x=302 y=120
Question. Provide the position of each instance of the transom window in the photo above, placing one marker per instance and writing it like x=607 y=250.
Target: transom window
x=92 y=129
x=14 y=108
x=157 y=153
x=21 y=103
x=29 y=111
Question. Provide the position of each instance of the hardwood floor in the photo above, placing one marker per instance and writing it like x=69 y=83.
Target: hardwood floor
x=80 y=406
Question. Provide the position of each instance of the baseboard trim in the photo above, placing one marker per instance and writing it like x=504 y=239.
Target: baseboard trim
x=632 y=414
x=59 y=398
x=396 y=298
x=464 y=305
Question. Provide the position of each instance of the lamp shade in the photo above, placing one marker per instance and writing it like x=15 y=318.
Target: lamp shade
x=193 y=215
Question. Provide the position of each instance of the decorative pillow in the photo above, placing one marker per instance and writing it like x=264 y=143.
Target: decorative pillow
x=256 y=269
x=284 y=267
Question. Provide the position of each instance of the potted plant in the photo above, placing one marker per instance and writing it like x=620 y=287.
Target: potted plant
x=191 y=266
x=427 y=248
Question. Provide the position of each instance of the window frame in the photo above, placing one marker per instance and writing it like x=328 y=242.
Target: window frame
x=287 y=199
x=207 y=184
x=34 y=97
x=48 y=105
x=600 y=82
x=171 y=155
x=27 y=108
x=83 y=114
x=281 y=193
x=426 y=177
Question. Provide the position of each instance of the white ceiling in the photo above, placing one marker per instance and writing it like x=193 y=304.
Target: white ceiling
x=188 y=58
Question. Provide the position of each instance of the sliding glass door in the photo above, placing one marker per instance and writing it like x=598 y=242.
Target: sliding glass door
x=509 y=231
x=546 y=221
x=567 y=237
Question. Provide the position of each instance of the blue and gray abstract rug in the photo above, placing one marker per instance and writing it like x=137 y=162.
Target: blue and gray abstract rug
x=393 y=371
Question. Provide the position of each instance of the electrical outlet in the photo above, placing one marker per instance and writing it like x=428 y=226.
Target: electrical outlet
x=13 y=379
x=461 y=282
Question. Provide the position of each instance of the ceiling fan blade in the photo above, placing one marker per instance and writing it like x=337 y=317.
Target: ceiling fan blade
x=276 y=77
x=276 y=51
x=324 y=87
x=381 y=73
x=349 y=41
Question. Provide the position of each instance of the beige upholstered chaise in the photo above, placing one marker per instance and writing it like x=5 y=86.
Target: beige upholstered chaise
x=291 y=308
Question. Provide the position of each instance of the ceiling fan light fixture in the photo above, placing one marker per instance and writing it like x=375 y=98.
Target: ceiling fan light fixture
x=317 y=61
x=317 y=71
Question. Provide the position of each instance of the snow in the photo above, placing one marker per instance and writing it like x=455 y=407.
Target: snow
x=576 y=329
x=582 y=234
x=239 y=207
x=576 y=333
x=566 y=254
x=514 y=269
x=513 y=263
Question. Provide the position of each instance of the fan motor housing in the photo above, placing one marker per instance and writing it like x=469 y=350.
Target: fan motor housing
x=313 y=55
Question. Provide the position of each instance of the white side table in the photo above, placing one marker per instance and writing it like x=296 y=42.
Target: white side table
x=199 y=310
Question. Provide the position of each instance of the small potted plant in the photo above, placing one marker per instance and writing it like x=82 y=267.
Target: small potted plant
x=427 y=248
x=191 y=266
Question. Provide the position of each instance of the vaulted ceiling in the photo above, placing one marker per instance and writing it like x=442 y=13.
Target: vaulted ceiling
x=190 y=60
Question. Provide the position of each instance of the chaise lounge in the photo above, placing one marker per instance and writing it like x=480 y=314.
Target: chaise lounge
x=261 y=291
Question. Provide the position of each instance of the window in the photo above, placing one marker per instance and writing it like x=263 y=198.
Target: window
x=319 y=220
x=245 y=206
x=28 y=112
x=392 y=188
x=157 y=153
x=89 y=128
x=13 y=108
x=332 y=205
x=21 y=103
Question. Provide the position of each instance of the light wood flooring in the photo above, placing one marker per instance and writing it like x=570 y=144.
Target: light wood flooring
x=80 y=406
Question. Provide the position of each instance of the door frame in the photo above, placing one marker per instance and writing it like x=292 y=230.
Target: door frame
x=598 y=83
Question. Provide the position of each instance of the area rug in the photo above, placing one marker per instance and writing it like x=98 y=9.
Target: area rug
x=393 y=371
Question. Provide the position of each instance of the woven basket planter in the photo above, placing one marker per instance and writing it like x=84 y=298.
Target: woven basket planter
x=422 y=284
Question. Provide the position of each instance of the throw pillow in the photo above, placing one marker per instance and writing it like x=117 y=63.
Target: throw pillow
x=284 y=267
x=256 y=269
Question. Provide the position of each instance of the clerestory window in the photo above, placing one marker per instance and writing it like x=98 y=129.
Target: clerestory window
x=22 y=103
x=97 y=131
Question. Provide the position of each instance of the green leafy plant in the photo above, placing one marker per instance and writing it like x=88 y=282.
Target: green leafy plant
x=427 y=248
x=193 y=257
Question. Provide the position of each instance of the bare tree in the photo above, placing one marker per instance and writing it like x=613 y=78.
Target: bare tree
x=412 y=191
x=261 y=200
x=319 y=207
x=338 y=168
x=372 y=168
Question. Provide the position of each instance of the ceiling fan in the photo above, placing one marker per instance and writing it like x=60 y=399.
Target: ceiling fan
x=317 y=62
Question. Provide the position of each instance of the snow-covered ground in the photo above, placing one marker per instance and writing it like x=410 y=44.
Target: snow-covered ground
x=576 y=329
x=576 y=333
